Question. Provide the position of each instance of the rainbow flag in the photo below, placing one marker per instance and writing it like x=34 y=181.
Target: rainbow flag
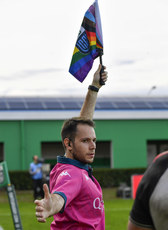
x=89 y=44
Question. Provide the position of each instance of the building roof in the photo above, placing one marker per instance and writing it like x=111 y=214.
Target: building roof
x=12 y=108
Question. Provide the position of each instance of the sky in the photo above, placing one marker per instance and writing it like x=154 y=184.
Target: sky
x=37 y=38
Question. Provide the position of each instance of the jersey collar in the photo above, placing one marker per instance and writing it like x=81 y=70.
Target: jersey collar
x=65 y=160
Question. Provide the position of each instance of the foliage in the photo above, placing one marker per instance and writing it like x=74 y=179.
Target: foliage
x=107 y=178
x=21 y=180
x=113 y=177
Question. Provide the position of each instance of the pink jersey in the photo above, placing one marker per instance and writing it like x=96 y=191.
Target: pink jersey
x=84 y=206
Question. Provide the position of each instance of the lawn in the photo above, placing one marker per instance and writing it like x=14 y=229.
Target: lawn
x=116 y=211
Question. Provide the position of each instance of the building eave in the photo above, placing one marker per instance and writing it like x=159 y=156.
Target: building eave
x=98 y=115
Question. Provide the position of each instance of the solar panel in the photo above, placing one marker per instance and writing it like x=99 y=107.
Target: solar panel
x=3 y=106
x=52 y=105
x=156 y=105
x=34 y=105
x=105 y=105
x=165 y=103
x=140 y=105
x=70 y=105
x=122 y=105
x=16 y=105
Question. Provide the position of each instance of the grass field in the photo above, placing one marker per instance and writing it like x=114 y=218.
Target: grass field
x=116 y=211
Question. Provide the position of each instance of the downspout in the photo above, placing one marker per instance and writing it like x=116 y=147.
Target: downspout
x=22 y=131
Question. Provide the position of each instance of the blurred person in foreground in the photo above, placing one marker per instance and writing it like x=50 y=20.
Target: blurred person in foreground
x=76 y=199
x=35 y=171
x=150 y=208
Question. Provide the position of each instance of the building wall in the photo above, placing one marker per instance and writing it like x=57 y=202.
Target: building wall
x=22 y=139
x=129 y=139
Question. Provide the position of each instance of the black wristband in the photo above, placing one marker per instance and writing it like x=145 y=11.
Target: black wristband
x=93 y=88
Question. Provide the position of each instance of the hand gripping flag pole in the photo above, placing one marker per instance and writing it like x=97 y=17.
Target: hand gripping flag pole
x=89 y=44
x=102 y=70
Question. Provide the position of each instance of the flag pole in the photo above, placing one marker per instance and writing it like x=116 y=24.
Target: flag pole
x=102 y=69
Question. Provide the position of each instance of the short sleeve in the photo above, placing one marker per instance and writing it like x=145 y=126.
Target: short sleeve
x=69 y=183
x=140 y=213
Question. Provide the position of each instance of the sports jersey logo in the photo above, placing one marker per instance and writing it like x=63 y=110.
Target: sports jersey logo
x=65 y=173
x=87 y=178
x=98 y=204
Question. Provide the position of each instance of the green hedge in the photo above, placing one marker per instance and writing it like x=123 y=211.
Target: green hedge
x=106 y=177
x=113 y=177
x=21 y=180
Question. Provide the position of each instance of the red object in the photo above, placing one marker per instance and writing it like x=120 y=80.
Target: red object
x=135 y=179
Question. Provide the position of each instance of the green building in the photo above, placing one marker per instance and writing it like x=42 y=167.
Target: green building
x=130 y=131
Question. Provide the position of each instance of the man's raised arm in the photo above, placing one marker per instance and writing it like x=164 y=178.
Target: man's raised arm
x=88 y=106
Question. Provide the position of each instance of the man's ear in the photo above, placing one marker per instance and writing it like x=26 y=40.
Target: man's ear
x=67 y=143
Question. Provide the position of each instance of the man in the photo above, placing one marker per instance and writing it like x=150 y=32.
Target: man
x=37 y=176
x=150 y=208
x=76 y=196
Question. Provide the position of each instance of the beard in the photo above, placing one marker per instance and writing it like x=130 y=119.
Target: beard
x=79 y=155
x=78 y=158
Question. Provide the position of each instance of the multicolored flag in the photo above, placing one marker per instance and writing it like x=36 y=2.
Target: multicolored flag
x=89 y=43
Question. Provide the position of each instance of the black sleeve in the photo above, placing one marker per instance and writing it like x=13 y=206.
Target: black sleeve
x=140 y=213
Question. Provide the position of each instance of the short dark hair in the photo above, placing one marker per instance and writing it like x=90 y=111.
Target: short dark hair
x=69 y=127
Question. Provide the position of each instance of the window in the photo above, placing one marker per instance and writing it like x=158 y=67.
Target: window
x=154 y=147
x=103 y=157
x=50 y=151
x=1 y=152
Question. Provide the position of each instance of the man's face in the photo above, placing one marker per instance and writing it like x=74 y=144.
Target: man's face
x=84 y=145
x=35 y=159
